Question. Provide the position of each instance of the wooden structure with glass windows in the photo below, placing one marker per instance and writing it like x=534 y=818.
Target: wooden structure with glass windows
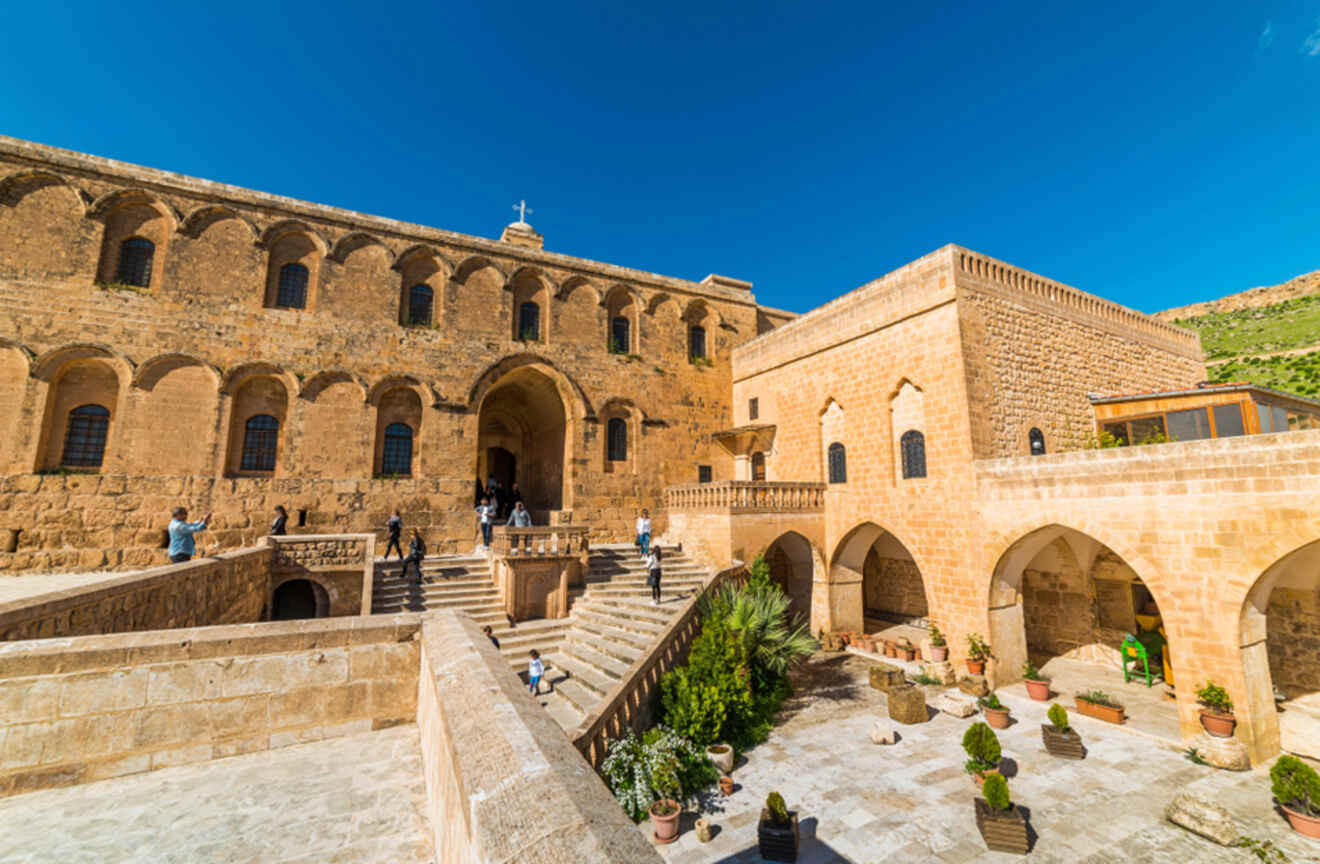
x=1209 y=411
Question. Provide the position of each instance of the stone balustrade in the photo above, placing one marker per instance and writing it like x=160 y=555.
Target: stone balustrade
x=742 y=496
x=553 y=541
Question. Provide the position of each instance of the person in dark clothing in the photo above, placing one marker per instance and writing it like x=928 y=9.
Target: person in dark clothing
x=491 y=636
x=416 y=554
x=653 y=574
x=281 y=518
x=515 y=496
x=395 y=527
x=481 y=493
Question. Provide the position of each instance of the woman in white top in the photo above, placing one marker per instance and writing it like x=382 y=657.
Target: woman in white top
x=644 y=532
x=653 y=574
x=487 y=512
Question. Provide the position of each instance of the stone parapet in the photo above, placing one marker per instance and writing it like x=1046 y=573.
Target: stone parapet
x=741 y=496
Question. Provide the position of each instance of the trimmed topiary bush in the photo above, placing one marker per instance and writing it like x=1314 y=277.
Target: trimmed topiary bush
x=1058 y=716
x=778 y=810
x=995 y=791
x=983 y=747
x=1296 y=785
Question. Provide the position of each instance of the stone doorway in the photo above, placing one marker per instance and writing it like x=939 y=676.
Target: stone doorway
x=502 y=465
x=523 y=437
x=297 y=599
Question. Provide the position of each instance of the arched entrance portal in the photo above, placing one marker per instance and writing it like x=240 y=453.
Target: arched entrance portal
x=1280 y=647
x=792 y=566
x=522 y=436
x=299 y=598
x=890 y=593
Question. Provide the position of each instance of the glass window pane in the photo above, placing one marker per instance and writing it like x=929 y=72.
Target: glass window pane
x=1190 y=425
x=1146 y=429
x=1280 y=415
x=1263 y=417
x=1228 y=421
x=1118 y=430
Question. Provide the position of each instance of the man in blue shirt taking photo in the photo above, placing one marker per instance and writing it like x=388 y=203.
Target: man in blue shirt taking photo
x=181 y=535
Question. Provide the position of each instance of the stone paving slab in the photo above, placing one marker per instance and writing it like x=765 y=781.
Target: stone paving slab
x=911 y=802
x=360 y=798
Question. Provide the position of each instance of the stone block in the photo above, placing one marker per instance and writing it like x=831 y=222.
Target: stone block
x=907 y=704
x=957 y=704
x=882 y=732
x=1204 y=817
x=974 y=685
x=886 y=677
x=1227 y=753
x=942 y=672
x=99 y=692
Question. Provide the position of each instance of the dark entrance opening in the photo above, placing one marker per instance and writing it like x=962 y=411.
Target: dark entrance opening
x=293 y=600
x=502 y=465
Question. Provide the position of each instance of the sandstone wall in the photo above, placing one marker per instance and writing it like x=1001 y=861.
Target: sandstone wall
x=1294 y=640
x=893 y=588
x=342 y=564
x=90 y=708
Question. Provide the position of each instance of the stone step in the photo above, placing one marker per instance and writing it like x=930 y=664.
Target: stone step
x=624 y=641
x=582 y=699
x=587 y=677
x=455 y=582
x=639 y=607
x=561 y=710
x=579 y=651
x=435 y=593
x=645 y=629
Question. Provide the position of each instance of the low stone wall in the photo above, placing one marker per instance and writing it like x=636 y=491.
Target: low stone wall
x=503 y=782
x=230 y=588
x=89 y=708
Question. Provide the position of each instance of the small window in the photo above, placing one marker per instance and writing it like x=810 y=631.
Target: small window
x=1228 y=420
x=420 y=299
x=616 y=449
x=913 y=447
x=703 y=474
x=838 y=460
x=84 y=439
x=529 y=322
x=260 y=437
x=758 y=467
x=619 y=341
x=753 y=409
x=396 y=456
x=292 y=293
x=1036 y=439
x=135 y=255
x=697 y=343
x=1146 y=430
x=1192 y=424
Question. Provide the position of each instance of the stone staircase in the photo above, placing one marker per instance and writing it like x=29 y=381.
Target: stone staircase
x=611 y=620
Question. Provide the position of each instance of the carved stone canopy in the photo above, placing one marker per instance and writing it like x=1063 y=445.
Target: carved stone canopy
x=746 y=440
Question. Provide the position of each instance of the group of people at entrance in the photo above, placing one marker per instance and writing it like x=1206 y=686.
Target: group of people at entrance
x=494 y=494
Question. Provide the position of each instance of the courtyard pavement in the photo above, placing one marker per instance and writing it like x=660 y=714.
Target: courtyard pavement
x=911 y=802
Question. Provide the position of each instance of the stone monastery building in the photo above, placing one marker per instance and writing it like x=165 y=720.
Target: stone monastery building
x=914 y=450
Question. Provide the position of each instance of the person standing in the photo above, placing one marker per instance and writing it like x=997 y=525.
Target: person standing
x=181 y=533
x=535 y=669
x=653 y=574
x=281 y=519
x=515 y=495
x=520 y=518
x=644 y=532
x=416 y=554
x=395 y=526
x=486 y=511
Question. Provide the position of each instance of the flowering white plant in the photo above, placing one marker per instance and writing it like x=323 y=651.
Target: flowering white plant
x=642 y=771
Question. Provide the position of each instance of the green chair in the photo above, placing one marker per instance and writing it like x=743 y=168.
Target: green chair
x=1137 y=653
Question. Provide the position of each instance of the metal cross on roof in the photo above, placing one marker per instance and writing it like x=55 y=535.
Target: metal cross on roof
x=523 y=210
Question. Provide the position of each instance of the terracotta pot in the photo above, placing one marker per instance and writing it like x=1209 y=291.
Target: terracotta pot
x=908 y=654
x=891 y=650
x=975 y=667
x=939 y=653
x=665 y=827
x=1038 y=690
x=1099 y=712
x=1307 y=826
x=996 y=717
x=868 y=644
x=726 y=785
x=1218 y=725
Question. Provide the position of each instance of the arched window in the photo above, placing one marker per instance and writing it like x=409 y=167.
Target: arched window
x=838 y=463
x=84 y=439
x=260 y=437
x=135 y=256
x=419 y=304
x=396 y=456
x=697 y=343
x=529 y=322
x=758 y=467
x=292 y=292
x=616 y=449
x=913 y=445
x=619 y=341
x=1037 y=440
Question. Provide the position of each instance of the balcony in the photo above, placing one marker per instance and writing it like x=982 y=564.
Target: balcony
x=743 y=496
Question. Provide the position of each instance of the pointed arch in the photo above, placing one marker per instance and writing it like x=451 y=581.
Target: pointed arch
x=530 y=271
x=902 y=382
x=355 y=240
x=17 y=186
x=150 y=372
x=313 y=386
x=48 y=364
x=419 y=251
x=472 y=264
x=205 y=216
x=573 y=284
x=275 y=231
x=658 y=300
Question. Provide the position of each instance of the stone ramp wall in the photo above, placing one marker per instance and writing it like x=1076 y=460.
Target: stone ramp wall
x=503 y=781
x=90 y=708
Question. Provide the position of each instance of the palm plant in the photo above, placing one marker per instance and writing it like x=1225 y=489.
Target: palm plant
x=773 y=641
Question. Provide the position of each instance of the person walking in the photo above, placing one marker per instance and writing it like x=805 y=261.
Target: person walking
x=486 y=511
x=644 y=533
x=653 y=574
x=395 y=527
x=281 y=519
x=181 y=533
x=490 y=634
x=535 y=669
x=520 y=518
x=416 y=554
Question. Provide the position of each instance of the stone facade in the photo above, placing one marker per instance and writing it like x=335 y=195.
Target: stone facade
x=182 y=363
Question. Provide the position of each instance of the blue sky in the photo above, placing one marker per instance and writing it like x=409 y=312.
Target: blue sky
x=1155 y=156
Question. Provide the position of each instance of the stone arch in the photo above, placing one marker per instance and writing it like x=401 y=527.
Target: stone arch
x=658 y=300
x=796 y=564
x=1279 y=636
x=15 y=366
x=355 y=240
x=422 y=265
x=578 y=313
x=400 y=404
x=833 y=429
x=207 y=215
x=573 y=284
x=49 y=363
x=313 y=386
x=426 y=251
x=575 y=398
x=622 y=302
x=76 y=376
x=150 y=372
x=625 y=410
x=476 y=288
x=234 y=378
x=875 y=581
x=701 y=322
x=17 y=186
x=472 y=264
x=108 y=203
x=175 y=402
x=292 y=244
x=132 y=216
x=907 y=414
x=299 y=597
x=38 y=205
x=273 y=232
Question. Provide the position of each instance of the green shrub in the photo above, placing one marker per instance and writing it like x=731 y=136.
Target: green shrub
x=991 y=701
x=1215 y=698
x=995 y=790
x=977 y=648
x=1100 y=697
x=1296 y=785
x=778 y=810
x=659 y=765
x=936 y=637
x=1031 y=673
x=1058 y=716
x=982 y=746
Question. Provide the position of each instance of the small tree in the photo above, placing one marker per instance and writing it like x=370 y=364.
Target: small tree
x=982 y=746
x=1296 y=785
x=936 y=637
x=1058 y=716
x=977 y=647
x=774 y=805
x=995 y=790
x=1215 y=698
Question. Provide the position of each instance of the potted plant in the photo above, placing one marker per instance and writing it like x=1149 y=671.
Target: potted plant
x=868 y=644
x=1038 y=688
x=1100 y=705
x=1297 y=788
x=1060 y=739
x=1217 y=718
x=906 y=650
x=777 y=832
x=726 y=785
x=939 y=647
x=722 y=757
x=1002 y=824
x=983 y=751
x=891 y=648
x=995 y=712
x=664 y=819
x=646 y=776
x=977 y=652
